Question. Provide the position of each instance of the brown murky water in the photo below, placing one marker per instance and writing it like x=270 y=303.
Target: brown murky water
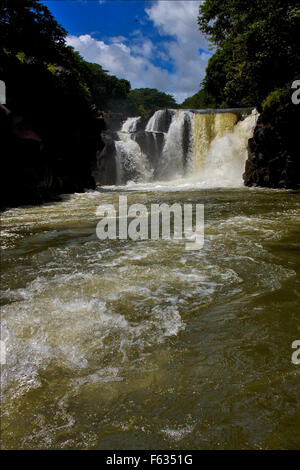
x=143 y=345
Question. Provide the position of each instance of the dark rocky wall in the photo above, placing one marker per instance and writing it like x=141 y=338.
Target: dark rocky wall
x=105 y=171
x=37 y=169
x=273 y=152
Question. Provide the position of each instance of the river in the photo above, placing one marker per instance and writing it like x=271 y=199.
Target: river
x=122 y=344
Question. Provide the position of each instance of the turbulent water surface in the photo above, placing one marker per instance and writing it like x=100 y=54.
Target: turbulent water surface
x=142 y=344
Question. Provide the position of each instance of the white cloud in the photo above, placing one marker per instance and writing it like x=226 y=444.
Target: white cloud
x=179 y=19
x=122 y=60
x=132 y=58
x=117 y=39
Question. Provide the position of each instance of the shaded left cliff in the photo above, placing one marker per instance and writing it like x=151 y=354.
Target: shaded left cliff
x=48 y=153
x=50 y=127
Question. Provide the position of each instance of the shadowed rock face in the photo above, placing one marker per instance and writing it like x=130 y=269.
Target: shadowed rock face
x=274 y=160
x=105 y=172
x=36 y=168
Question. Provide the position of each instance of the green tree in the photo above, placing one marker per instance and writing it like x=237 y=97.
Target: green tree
x=107 y=91
x=257 y=48
x=33 y=46
x=200 y=100
x=150 y=99
x=27 y=26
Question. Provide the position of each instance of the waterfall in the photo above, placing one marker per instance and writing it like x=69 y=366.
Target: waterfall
x=130 y=125
x=178 y=147
x=224 y=160
x=208 y=147
x=208 y=127
x=131 y=163
x=160 y=121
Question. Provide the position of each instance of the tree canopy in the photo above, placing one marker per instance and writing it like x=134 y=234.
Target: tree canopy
x=33 y=47
x=143 y=99
x=200 y=100
x=27 y=26
x=257 y=48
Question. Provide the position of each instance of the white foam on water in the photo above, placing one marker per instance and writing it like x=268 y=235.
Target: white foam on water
x=178 y=434
x=50 y=321
x=96 y=317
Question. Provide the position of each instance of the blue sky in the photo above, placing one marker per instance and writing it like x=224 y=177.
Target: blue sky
x=153 y=44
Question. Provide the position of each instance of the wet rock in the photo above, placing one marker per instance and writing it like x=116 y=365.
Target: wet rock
x=273 y=152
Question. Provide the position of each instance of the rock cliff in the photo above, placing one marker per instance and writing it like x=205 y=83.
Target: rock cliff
x=273 y=152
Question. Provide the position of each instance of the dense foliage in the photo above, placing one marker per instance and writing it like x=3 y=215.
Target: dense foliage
x=33 y=45
x=200 y=100
x=143 y=99
x=258 y=49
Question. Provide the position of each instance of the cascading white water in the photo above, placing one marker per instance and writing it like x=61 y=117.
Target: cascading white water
x=208 y=127
x=130 y=125
x=208 y=148
x=160 y=121
x=177 y=152
x=131 y=163
x=153 y=123
x=224 y=162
